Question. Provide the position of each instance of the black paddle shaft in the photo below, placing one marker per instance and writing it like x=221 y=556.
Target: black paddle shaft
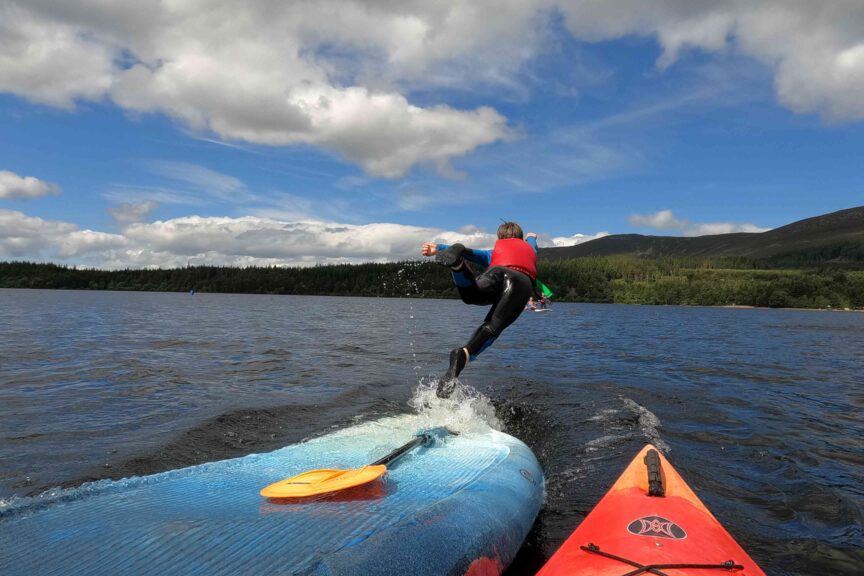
x=422 y=439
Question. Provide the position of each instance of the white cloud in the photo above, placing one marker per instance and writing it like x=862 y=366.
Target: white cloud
x=23 y=236
x=324 y=74
x=815 y=49
x=14 y=186
x=336 y=74
x=264 y=238
x=666 y=220
x=559 y=241
x=52 y=61
x=243 y=241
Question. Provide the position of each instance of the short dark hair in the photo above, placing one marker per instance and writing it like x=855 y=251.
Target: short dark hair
x=509 y=230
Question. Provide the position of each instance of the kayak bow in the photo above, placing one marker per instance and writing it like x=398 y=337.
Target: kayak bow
x=650 y=521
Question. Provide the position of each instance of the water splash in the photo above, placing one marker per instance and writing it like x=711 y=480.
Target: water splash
x=466 y=410
x=407 y=285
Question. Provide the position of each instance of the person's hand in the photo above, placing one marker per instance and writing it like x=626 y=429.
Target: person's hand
x=531 y=235
x=429 y=249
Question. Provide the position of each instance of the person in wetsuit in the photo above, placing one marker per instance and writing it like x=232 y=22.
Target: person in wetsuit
x=506 y=285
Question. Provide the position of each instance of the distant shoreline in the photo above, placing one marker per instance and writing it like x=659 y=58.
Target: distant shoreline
x=790 y=308
x=615 y=280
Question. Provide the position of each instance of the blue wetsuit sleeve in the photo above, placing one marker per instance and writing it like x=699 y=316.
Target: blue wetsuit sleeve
x=532 y=241
x=481 y=257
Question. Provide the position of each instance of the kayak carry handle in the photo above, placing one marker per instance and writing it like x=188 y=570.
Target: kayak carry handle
x=655 y=474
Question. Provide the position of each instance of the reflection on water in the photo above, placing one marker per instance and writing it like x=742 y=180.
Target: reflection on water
x=760 y=410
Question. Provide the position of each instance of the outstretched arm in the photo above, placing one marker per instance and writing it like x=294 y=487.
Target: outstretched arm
x=481 y=257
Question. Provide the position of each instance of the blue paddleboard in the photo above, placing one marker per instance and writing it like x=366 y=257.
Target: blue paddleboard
x=460 y=506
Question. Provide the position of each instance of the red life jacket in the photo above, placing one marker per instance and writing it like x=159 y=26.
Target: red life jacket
x=516 y=254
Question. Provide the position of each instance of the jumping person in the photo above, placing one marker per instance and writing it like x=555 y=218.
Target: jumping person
x=506 y=285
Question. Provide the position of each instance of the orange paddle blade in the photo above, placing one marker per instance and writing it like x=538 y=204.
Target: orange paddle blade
x=315 y=482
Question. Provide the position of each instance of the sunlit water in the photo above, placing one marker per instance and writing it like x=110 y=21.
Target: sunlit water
x=762 y=411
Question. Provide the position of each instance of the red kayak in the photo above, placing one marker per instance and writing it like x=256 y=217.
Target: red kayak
x=650 y=522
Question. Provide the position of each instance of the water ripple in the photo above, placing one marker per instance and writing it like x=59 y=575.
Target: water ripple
x=762 y=411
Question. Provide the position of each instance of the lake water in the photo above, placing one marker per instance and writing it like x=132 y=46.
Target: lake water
x=762 y=411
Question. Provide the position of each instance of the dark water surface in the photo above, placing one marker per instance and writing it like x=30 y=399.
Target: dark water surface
x=762 y=411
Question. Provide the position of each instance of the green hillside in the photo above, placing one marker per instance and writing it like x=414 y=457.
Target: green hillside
x=837 y=237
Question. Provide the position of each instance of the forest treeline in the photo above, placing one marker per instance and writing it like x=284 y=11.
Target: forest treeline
x=612 y=279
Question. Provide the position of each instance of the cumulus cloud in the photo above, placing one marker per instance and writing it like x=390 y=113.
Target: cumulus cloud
x=337 y=74
x=23 y=236
x=224 y=241
x=666 y=220
x=304 y=241
x=14 y=186
x=380 y=131
x=52 y=61
x=324 y=74
x=198 y=240
x=815 y=49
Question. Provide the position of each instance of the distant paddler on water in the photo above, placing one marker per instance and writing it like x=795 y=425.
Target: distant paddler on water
x=506 y=285
x=541 y=300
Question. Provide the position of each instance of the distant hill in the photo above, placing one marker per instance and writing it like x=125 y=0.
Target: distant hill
x=836 y=237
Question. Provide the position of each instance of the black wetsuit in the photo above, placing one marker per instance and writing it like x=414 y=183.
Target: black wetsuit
x=507 y=290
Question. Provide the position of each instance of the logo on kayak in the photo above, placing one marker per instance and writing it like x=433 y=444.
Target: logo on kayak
x=656 y=527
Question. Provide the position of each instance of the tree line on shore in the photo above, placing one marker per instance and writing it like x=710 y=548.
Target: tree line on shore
x=613 y=279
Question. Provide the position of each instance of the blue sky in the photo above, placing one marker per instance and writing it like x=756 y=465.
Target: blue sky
x=345 y=131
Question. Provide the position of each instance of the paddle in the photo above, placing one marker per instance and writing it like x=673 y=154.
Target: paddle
x=324 y=481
